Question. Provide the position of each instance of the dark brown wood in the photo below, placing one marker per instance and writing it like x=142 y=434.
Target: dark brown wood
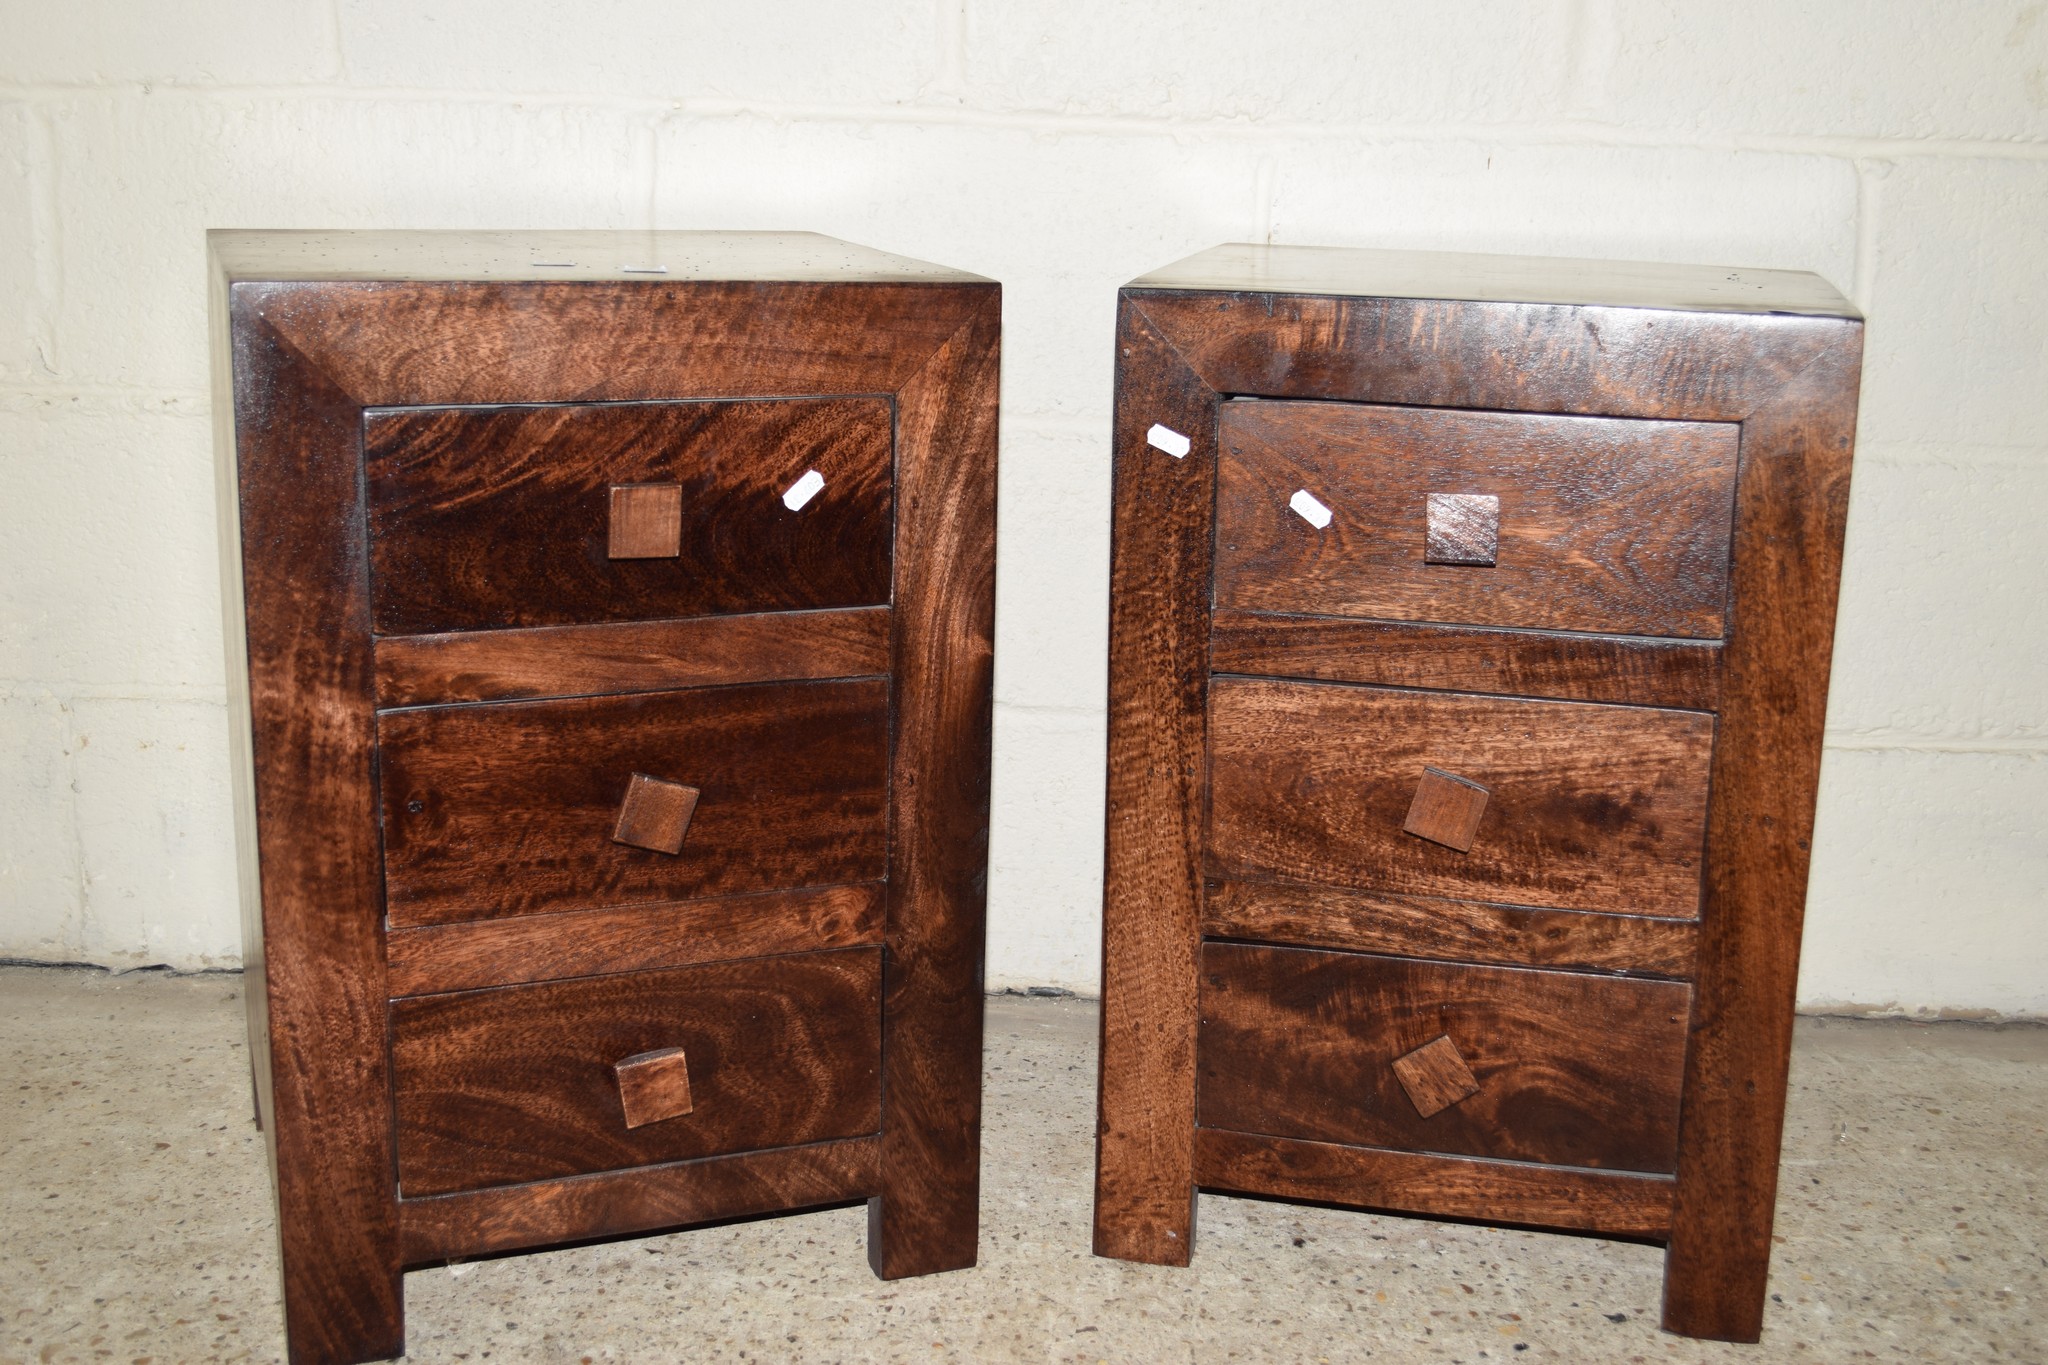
x=1572 y=1069
x=1674 y=673
x=1460 y=931
x=1508 y=347
x=1603 y=525
x=1446 y=810
x=1612 y=1203
x=1461 y=528
x=644 y=1199
x=654 y=1085
x=324 y=1089
x=503 y=1086
x=452 y=354
x=1591 y=807
x=926 y=1215
x=1792 y=506
x=652 y=656
x=1435 y=1076
x=655 y=814
x=646 y=521
x=500 y=952
x=510 y=808
x=1159 y=564
x=483 y=517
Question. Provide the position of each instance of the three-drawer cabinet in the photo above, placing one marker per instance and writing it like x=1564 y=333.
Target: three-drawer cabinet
x=1470 y=630
x=615 y=612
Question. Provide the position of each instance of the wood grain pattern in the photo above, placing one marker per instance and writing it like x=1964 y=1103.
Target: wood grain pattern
x=509 y=808
x=1673 y=673
x=926 y=1216
x=489 y=517
x=325 y=1089
x=644 y=1199
x=498 y=1087
x=1435 y=1076
x=1611 y=1203
x=1603 y=525
x=1460 y=931
x=1160 y=554
x=1572 y=1069
x=655 y=814
x=1591 y=807
x=633 y=656
x=1792 y=506
x=1446 y=810
x=646 y=521
x=654 y=1085
x=503 y=952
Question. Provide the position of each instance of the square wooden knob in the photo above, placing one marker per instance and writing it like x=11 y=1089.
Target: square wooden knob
x=647 y=521
x=1435 y=1077
x=1463 y=528
x=655 y=814
x=654 y=1086
x=1446 y=809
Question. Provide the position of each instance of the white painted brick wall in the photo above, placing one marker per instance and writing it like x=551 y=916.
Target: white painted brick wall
x=1898 y=147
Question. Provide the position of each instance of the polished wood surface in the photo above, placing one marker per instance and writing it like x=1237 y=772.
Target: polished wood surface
x=1611 y=1203
x=510 y=809
x=508 y=516
x=503 y=1086
x=1589 y=807
x=1759 y=371
x=643 y=1199
x=654 y=1085
x=1673 y=673
x=651 y=656
x=1603 y=525
x=497 y=952
x=1572 y=1069
x=323 y=339
x=1461 y=931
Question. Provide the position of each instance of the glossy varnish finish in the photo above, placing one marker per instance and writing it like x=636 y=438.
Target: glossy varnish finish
x=426 y=433
x=1655 y=460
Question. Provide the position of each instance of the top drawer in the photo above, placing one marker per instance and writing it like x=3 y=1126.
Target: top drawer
x=1598 y=524
x=506 y=516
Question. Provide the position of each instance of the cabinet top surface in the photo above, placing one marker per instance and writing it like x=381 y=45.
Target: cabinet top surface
x=1246 y=267
x=782 y=257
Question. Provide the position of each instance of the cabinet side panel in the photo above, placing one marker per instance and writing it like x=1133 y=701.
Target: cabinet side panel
x=1791 y=505
x=1160 y=554
x=310 y=681
x=927 y=1216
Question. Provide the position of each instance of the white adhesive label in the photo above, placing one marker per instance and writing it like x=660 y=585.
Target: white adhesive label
x=1168 y=440
x=803 y=490
x=1309 y=509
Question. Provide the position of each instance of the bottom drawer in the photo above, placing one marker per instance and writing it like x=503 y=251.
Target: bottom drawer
x=1559 y=1067
x=517 y=1083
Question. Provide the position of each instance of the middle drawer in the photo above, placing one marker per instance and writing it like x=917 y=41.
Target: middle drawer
x=511 y=808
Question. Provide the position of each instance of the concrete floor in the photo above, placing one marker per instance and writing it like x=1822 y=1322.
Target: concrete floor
x=135 y=1225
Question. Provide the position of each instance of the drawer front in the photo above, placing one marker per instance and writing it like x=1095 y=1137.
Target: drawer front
x=1584 y=806
x=1557 y=1067
x=496 y=1087
x=1598 y=524
x=513 y=808
x=489 y=517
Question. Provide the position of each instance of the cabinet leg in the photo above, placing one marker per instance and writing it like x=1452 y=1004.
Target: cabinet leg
x=1714 y=1292
x=342 y=1305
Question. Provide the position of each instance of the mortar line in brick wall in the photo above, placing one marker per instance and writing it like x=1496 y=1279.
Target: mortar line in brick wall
x=65 y=690
x=1564 y=133
x=1869 y=209
x=1884 y=741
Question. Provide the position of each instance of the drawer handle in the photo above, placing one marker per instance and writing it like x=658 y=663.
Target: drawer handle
x=1464 y=528
x=655 y=814
x=654 y=1086
x=1446 y=809
x=647 y=521
x=1435 y=1076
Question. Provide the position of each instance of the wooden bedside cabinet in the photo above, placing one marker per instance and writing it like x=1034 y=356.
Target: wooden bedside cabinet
x=616 y=616
x=1470 y=627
